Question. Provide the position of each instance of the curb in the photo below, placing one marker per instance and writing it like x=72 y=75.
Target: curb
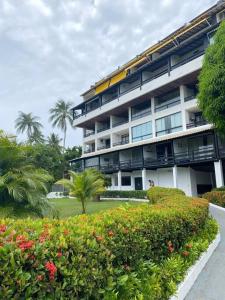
x=194 y=271
x=217 y=207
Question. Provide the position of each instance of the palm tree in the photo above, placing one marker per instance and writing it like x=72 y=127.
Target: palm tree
x=54 y=140
x=27 y=123
x=61 y=116
x=84 y=186
x=36 y=137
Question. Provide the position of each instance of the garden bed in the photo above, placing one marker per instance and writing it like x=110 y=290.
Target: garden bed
x=123 y=253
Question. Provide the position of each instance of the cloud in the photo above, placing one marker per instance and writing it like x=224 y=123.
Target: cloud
x=54 y=49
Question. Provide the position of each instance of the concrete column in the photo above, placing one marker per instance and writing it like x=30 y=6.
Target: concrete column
x=129 y=114
x=175 y=177
x=119 y=174
x=219 y=173
x=144 y=179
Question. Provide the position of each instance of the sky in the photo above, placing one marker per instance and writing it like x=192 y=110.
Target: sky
x=51 y=49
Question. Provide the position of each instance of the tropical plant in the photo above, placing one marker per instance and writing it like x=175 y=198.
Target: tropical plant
x=20 y=181
x=54 y=140
x=84 y=186
x=211 y=97
x=61 y=116
x=28 y=123
x=36 y=137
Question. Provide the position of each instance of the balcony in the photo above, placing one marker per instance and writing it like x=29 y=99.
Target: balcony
x=159 y=161
x=120 y=122
x=190 y=97
x=169 y=130
x=109 y=167
x=131 y=165
x=167 y=104
x=196 y=124
x=121 y=142
x=87 y=134
x=198 y=155
x=102 y=147
x=86 y=151
x=103 y=128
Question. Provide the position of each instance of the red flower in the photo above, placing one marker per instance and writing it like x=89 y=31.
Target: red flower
x=110 y=233
x=2 y=228
x=40 y=277
x=44 y=235
x=59 y=254
x=170 y=247
x=51 y=268
x=20 y=238
x=66 y=232
x=99 y=238
x=189 y=246
x=26 y=245
x=185 y=253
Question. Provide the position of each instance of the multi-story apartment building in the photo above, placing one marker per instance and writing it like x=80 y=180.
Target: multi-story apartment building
x=142 y=125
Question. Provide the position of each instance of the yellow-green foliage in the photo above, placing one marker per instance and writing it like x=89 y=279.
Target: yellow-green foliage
x=156 y=194
x=215 y=197
x=88 y=257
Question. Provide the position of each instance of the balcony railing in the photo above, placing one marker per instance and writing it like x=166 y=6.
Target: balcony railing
x=159 y=161
x=121 y=122
x=168 y=130
x=103 y=147
x=206 y=153
x=86 y=134
x=110 y=167
x=190 y=97
x=106 y=127
x=152 y=77
x=86 y=151
x=167 y=104
x=141 y=114
x=196 y=124
x=122 y=142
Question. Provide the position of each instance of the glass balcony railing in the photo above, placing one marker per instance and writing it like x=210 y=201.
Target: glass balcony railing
x=167 y=104
x=196 y=124
x=141 y=114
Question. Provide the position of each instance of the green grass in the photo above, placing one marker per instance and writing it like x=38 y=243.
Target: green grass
x=68 y=207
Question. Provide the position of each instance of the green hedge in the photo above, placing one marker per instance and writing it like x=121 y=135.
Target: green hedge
x=221 y=189
x=215 y=197
x=91 y=257
x=125 y=194
x=156 y=194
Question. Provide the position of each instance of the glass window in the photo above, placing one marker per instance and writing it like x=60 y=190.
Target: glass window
x=126 y=180
x=142 y=132
x=169 y=124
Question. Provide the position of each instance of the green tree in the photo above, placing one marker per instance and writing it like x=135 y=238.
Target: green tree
x=36 y=137
x=29 y=124
x=211 y=97
x=54 y=140
x=61 y=116
x=21 y=182
x=85 y=186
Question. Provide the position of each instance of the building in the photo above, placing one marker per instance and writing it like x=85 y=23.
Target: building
x=142 y=125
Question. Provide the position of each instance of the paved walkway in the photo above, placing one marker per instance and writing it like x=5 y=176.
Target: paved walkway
x=210 y=284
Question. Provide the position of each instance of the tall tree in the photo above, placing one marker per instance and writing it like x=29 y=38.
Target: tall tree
x=61 y=116
x=211 y=97
x=27 y=123
x=36 y=137
x=54 y=140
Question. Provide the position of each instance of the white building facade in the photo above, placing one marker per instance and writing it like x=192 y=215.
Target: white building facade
x=142 y=125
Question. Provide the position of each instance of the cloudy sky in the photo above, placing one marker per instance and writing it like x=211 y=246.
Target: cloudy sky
x=51 y=49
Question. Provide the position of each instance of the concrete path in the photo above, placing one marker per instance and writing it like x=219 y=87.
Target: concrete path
x=210 y=284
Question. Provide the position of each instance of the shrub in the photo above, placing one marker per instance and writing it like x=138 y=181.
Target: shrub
x=86 y=257
x=222 y=189
x=157 y=193
x=215 y=197
x=125 y=194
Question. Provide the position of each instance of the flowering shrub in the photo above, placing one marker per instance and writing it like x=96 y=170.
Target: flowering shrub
x=215 y=197
x=89 y=257
x=157 y=193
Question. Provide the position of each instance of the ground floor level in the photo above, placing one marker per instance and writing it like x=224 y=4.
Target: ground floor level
x=193 y=180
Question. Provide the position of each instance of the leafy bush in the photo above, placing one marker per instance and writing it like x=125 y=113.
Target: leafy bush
x=222 y=189
x=157 y=193
x=125 y=194
x=91 y=257
x=215 y=197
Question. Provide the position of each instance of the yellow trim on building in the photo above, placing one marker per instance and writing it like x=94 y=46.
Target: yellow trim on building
x=105 y=85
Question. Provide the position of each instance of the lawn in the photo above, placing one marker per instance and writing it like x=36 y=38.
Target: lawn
x=68 y=207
